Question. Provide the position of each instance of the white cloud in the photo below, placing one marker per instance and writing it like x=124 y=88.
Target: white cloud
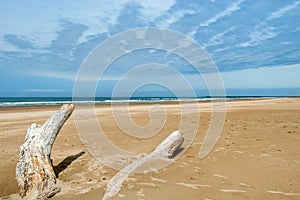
x=154 y=8
x=192 y=33
x=217 y=38
x=174 y=17
x=228 y=11
x=37 y=23
x=99 y=18
x=40 y=21
x=281 y=12
x=260 y=33
x=96 y=16
x=222 y=49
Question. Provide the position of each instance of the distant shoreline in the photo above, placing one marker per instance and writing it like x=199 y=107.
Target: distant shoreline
x=56 y=101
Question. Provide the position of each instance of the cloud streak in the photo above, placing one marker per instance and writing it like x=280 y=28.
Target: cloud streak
x=260 y=33
x=228 y=11
x=283 y=11
x=217 y=38
x=174 y=17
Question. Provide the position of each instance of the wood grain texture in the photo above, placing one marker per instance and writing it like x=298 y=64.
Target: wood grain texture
x=35 y=175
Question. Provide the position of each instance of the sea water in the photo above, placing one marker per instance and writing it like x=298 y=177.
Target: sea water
x=45 y=101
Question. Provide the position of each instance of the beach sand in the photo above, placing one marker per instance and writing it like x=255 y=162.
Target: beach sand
x=256 y=157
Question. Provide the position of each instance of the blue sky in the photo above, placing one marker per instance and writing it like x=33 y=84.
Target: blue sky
x=255 y=44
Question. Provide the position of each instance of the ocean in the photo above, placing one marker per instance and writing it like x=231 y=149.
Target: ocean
x=48 y=101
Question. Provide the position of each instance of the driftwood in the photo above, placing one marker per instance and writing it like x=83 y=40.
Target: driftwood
x=163 y=151
x=34 y=171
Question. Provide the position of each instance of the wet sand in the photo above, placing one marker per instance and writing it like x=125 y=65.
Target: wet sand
x=256 y=157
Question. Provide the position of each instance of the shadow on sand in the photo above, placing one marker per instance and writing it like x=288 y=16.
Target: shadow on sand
x=65 y=163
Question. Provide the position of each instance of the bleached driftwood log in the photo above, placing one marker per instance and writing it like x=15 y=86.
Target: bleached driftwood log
x=163 y=151
x=34 y=171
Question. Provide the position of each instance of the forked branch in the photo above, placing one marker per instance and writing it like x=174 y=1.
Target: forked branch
x=163 y=151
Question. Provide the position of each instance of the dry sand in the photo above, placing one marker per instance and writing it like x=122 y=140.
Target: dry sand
x=256 y=157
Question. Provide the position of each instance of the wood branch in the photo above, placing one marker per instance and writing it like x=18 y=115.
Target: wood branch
x=34 y=171
x=163 y=151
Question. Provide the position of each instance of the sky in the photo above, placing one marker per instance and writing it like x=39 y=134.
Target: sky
x=255 y=45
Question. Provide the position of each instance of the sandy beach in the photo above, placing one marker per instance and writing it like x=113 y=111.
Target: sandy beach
x=256 y=157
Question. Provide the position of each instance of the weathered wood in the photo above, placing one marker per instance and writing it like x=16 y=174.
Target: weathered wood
x=34 y=171
x=163 y=151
